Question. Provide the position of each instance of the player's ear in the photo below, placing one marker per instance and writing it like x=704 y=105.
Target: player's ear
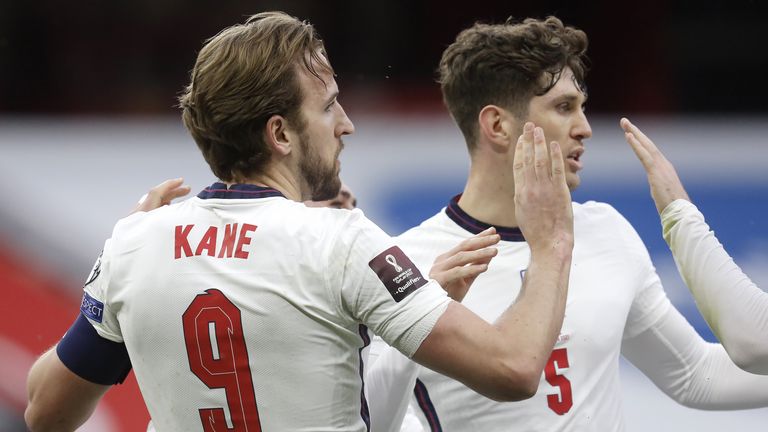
x=279 y=136
x=496 y=127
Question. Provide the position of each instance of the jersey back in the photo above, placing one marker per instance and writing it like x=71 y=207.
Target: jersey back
x=251 y=313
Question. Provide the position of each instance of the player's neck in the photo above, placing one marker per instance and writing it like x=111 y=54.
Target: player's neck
x=279 y=179
x=489 y=196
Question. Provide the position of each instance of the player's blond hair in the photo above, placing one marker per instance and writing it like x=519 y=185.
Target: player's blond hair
x=506 y=65
x=243 y=76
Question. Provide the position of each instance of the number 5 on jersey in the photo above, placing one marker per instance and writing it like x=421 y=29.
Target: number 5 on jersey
x=563 y=402
x=213 y=333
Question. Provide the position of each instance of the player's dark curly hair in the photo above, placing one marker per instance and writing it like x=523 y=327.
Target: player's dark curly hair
x=506 y=65
x=243 y=76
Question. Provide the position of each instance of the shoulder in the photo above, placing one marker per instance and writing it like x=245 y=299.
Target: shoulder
x=143 y=222
x=595 y=209
x=601 y=225
x=431 y=238
x=340 y=229
x=437 y=223
x=331 y=219
x=599 y=215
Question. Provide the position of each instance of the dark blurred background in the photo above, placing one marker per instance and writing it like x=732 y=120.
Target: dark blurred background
x=133 y=57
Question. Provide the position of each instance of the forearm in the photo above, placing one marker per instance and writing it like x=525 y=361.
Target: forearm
x=536 y=317
x=718 y=384
x=736 y=309
x=691 y=371
x=58 y=399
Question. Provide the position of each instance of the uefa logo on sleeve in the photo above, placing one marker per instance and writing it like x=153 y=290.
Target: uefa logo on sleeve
x=92 y=308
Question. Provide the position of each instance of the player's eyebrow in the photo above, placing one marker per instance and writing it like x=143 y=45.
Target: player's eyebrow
x=331 y=98
x=569 y=97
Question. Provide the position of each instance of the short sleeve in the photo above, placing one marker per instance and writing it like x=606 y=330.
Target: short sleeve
x=95 y=304
x=382 y=288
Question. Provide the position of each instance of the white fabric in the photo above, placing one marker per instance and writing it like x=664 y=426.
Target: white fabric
x=615 y=296
x=735 y=308
x=304 y=292
x=389 y=381
x=691 y=371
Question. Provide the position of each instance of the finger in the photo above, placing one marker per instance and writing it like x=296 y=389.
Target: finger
x=624 y=123
x=176 y=193
x=640 y=151
x=451 y=263
x=477 y=242
x=167 y=185
x=523 y=159
x=484 y=239
x=628 y=126
x=162 y=194
x=558 y=163
x=647 y=143
x=540 y=155
x=468 y=257
x=468 y=272
x=168 y=190
x=644 y=147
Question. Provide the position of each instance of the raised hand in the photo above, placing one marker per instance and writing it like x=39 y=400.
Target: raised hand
x=456 y=269
x=662 y=177
x=542 y=199
x=162 y=194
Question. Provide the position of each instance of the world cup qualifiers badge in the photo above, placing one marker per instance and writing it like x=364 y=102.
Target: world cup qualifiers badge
x=397 y=272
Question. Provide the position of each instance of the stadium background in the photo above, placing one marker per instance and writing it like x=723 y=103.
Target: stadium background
x=87 y=124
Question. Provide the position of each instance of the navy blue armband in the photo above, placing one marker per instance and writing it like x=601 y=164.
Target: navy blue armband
x=91 y=356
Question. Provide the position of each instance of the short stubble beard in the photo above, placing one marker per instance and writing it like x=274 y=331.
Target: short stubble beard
x=324 y=181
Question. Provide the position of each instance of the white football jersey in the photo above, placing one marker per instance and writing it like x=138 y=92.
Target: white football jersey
x=241 y=309
x=614 y=293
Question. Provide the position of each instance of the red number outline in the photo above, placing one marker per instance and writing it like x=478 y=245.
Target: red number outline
x=231 y=370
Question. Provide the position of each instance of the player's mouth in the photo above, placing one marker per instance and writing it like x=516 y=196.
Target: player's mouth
x=574 y=158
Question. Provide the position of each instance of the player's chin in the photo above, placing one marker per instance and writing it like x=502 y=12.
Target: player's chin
x=572 y=180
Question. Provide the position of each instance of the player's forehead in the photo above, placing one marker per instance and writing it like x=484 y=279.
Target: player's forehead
x=566 y=87
x=317 y=87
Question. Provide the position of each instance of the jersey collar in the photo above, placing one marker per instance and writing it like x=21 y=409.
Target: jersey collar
x=464 y=220
x=238 y=191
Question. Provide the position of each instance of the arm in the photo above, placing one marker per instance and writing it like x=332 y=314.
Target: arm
x=691 y=371
x=735 y=308
x=391 y=376
x=65 y=384
x=59 y=399
x=504 y=361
